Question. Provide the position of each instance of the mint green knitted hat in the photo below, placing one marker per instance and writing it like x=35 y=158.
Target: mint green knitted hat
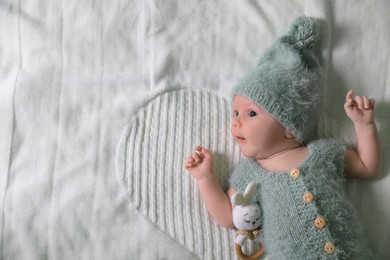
x=287 y=81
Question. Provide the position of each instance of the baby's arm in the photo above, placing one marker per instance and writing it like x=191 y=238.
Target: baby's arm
x=365 y=161
x=215 y=199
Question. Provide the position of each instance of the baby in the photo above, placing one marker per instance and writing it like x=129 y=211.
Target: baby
x=306 y=213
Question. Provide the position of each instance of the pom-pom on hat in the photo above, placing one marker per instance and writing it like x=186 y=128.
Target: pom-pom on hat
x=287 y=81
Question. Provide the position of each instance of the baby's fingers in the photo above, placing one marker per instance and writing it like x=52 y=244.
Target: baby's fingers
x=191 y=162
x=369 y=102
x=189 y=165
x=196 y=156
x=362 y=102
x=349 y=100
x=349 y=95
x=359 y=102
x=190 y=159
x=202 y=152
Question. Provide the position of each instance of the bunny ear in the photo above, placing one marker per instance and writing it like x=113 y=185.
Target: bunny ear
x=250 y=191
x=237 y=199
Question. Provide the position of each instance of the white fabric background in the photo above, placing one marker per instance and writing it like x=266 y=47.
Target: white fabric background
x=72 y=73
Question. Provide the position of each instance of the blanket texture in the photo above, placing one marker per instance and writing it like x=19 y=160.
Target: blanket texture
x=150 y=166
x=73 y=74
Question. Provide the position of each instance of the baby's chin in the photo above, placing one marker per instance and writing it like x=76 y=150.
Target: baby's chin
x=248 y=154
x=248 y=149
x=251 y=153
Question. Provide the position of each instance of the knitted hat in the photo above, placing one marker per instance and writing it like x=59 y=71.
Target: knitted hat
x=287 y=81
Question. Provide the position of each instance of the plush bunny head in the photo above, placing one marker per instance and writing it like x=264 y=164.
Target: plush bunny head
x=246 y=215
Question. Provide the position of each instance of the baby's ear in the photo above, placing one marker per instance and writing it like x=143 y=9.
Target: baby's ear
x=237 y=199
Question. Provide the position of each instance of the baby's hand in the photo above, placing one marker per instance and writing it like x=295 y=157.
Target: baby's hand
x=359 y=109
x=199 y=164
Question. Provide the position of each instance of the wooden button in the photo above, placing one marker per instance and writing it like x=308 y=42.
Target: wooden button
x=308 y=197
x=295 y=173
x=329 y=247
x=319 y=222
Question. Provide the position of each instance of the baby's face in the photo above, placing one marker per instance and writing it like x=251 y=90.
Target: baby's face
x=257 y=133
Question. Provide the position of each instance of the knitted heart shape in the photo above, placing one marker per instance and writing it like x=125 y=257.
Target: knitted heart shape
x=150 y=157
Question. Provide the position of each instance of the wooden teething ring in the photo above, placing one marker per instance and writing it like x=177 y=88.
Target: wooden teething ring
x=254 y=256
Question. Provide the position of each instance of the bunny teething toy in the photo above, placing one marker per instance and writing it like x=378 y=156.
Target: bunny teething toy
x=247 y=218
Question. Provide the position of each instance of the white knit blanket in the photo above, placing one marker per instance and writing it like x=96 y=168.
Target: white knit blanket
x=151 y=154
x=93 y=90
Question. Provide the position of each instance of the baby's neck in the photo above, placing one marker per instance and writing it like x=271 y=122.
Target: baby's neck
x=285 y=159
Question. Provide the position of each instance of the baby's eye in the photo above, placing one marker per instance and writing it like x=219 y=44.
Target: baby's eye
x=235 y=113
x=252 y=113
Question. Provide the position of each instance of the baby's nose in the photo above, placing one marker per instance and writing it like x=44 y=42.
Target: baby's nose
x=236 y=122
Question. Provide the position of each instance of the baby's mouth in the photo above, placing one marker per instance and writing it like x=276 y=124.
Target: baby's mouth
x=240 y=139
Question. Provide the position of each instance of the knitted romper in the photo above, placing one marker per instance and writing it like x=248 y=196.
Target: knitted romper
x=306 y=213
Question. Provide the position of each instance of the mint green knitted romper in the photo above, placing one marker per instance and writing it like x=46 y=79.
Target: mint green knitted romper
x=306 y=213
